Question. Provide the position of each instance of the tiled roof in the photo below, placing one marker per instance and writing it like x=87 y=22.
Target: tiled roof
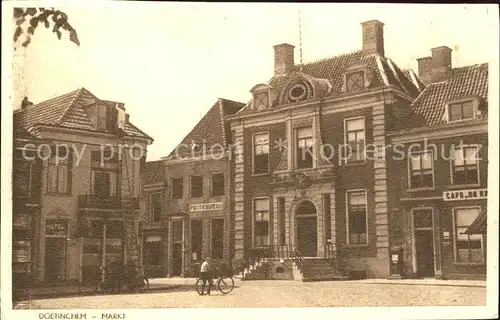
x=464 y=82
x=211 y=130
x=153 y=172
x=334 y=68
x=64 y=111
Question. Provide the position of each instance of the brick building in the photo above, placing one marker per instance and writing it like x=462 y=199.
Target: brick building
x=76 y=179
x=189 y=197
x=295 y=184
x=442 y=185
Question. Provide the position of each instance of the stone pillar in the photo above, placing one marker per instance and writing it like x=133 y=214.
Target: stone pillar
x=380 y=175
x=437 y=243
x=239 y=214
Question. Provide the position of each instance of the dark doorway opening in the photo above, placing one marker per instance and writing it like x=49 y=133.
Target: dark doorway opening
x=55 y=259
x=307 y=232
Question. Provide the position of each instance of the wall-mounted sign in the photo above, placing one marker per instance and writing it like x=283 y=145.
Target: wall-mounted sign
x=469 y=194
x=206 y=206
x=22 y=220
x=21 y=254
x=56 y=227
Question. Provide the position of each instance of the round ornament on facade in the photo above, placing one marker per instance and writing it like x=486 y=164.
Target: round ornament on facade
x=298 y=92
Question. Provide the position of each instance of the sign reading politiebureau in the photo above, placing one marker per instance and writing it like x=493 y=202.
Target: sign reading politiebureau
x=213 y=206
x=470 y=194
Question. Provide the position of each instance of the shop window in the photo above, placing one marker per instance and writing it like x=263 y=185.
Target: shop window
x=261 y=222
x=421 y=170
x=217 y=184
x=153 y=251
x=357 y=218
x=354 y=131
x=177 y=188
x=196 y=239
x=468 y=247
x=261 y=153
x=196 y=184
x=465 y=165
x=304 y=148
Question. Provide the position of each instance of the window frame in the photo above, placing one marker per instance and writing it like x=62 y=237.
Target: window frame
x=268 y=221
x=410 y=170
x=172 y=193
x=461 y=103
x=455 y=249
x=348 y=242
x=296 y=142
x=24 y=171
x=212 y=184
x=346 y=120
x=452 y=165
x=352 y=72
x=254 y=154
x=191 y=186
x=151 y=210
x=69 y=169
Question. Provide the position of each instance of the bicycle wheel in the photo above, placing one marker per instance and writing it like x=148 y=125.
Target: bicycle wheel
x=225 y=284
x=200 y=287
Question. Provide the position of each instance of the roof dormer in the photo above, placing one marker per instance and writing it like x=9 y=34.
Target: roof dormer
x=262 y=97
x=462 y=109
x=357 y=77
x=302 y=87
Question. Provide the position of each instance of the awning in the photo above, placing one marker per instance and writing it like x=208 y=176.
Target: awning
x=478 y=226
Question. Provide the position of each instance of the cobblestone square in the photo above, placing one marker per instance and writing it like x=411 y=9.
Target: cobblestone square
x=283 y=294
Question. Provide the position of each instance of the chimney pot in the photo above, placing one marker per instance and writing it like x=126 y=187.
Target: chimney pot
x=283 y=58
x=373 y=37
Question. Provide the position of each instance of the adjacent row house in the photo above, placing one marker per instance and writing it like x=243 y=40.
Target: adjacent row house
x=77 y=158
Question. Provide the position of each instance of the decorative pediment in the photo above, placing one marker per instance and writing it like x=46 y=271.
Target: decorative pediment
x=302 y=87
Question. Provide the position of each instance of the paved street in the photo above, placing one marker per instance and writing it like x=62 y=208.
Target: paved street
x=284 y=294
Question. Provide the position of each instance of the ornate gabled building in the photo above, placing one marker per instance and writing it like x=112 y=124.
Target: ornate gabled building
x=311 y=174
x=82 y=197
x=441 y=197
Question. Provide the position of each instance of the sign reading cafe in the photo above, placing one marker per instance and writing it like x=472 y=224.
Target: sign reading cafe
x=206 y=206
x=470 y=194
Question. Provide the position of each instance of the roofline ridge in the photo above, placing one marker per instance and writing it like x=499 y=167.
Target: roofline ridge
x=393 y=67
x=327 y=58
x=70 y=105
x=422 y=93
x=223 y=127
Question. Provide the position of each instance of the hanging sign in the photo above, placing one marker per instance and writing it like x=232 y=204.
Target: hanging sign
x=206 y=206
x=468 y=194
x=56 y=227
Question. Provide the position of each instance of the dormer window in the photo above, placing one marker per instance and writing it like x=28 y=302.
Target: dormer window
x=355 y=81
x=357 y=77
x=261 y=100
x=461 y=111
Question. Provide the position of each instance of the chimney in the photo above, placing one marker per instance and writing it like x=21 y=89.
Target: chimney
x=437 y=67
x=424 y=69
x=373 y=37
x=283 y=58
x=441 y=63
x=25 y=103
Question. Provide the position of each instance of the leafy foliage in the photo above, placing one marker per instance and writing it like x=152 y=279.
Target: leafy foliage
x=45 y=16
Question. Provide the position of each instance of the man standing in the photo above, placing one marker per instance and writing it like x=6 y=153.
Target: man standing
x=206 y=274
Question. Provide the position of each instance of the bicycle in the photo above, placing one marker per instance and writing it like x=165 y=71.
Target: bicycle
x=224 y=284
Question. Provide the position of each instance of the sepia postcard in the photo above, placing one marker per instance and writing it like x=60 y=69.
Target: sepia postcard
x=211 y=160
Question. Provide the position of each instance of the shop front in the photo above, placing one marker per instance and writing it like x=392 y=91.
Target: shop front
x=437 y=242
x=201 y=233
